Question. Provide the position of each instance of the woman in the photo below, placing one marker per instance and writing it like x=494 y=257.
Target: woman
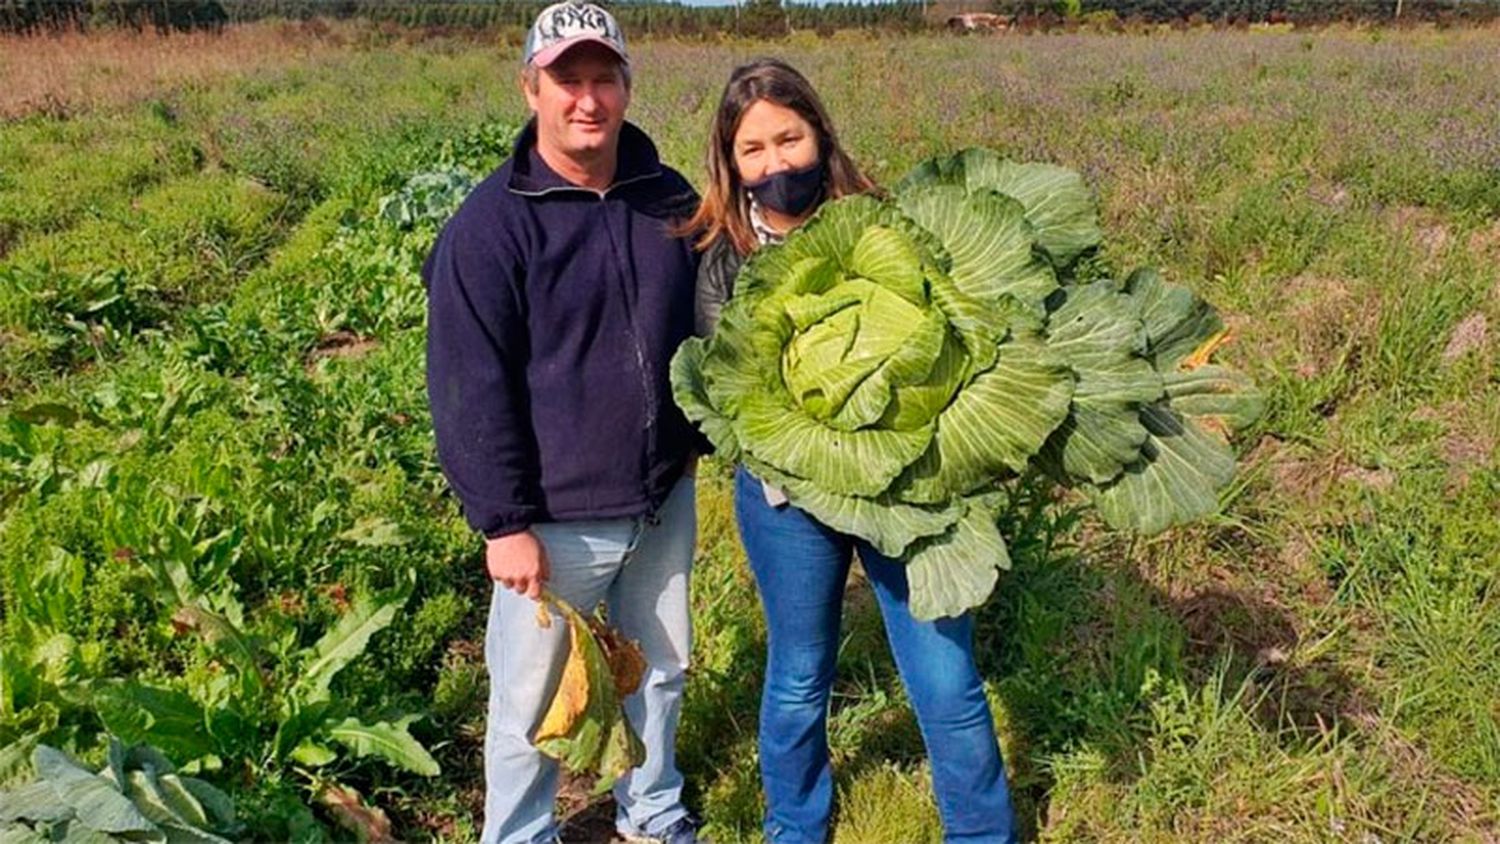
x=773 y=159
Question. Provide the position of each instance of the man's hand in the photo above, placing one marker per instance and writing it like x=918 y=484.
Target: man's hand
x=518 y=561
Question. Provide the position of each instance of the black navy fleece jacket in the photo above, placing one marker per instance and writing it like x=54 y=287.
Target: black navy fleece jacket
x=553 y=314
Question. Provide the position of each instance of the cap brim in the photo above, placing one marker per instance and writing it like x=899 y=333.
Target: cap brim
x=551 y=54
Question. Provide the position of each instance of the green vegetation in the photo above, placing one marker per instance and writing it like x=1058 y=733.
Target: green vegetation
x=1317 y=663
x=138 y=796
x=116 y=224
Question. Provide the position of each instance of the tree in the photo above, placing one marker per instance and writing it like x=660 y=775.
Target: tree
x=763 y=19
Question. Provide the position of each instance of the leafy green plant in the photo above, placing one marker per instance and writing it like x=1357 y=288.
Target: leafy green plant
x=41 y=691
x=28 y=462
x=259 y=703
x=72 y=311
x=31 y=459
x=137 y=796
x=428 y=197
x=893 y=360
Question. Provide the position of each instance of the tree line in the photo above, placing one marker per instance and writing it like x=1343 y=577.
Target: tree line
x=1256 y=11
x=750 y=17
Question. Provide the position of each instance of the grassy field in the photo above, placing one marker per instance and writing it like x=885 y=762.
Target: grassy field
x=211 y=368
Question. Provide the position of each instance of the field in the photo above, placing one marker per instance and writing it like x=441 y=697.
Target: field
x=211 y=396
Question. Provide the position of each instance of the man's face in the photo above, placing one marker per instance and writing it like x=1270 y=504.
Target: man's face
x=580 y=101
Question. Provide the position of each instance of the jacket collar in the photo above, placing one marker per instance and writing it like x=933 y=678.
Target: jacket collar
x=530 y=175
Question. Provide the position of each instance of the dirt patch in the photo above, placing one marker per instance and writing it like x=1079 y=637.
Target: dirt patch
x=1231 y=117
x=1256 y=629
x=1464 y=450
x=1307 y=481
x=1331 y=322
x=1485 y=243
x=1251 y=625
x=1425 y=227
x=342 y=344
x=1329 y=194
x=1377 y=479
x=1470 y=335
x=582 y=818
x=1468 y=440
x=1413 y=764
x=1156 y=187
x=441 y=825
x=1301 y=478
x=1299 y=557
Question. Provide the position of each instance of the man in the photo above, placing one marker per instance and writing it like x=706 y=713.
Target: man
x=556 y=297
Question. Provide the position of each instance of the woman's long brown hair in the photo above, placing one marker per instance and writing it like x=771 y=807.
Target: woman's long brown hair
x=725 y=209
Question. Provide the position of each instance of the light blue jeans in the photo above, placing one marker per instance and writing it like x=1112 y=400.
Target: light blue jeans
x=640 y=567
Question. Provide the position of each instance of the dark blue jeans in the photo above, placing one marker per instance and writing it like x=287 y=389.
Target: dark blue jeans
x=800 y=566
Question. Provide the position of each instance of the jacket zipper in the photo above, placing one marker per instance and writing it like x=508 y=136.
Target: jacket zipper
x=648 y=392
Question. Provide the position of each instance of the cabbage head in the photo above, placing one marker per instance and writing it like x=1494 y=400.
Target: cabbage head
x=895 y=361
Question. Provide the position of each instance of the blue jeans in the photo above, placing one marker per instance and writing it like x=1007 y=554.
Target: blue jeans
x=640 y=567
x=800 y=566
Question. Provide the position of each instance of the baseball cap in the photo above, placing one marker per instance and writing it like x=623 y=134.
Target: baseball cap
x=563 y=25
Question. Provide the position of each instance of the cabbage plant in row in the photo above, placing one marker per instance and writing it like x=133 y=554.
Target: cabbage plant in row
x=897 y=360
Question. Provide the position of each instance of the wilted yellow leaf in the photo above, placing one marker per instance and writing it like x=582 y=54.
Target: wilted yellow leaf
x=627 y=665
x=354 y=814
x=1200 y=355
x=585 y=727
x=572 y=698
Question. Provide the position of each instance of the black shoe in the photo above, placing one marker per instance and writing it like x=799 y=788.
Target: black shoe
x=684 y=830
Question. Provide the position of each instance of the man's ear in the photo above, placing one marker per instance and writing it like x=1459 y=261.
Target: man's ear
x=529 y=83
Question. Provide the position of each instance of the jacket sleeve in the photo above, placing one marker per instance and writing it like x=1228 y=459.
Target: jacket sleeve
x=715 y=285
x=476 y=357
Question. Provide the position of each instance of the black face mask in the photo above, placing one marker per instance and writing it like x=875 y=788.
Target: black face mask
x=790 y=192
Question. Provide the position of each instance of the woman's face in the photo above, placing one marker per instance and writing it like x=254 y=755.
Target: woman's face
x=772 y=138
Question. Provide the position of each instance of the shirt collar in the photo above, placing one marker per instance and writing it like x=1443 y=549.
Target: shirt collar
x=763 y=231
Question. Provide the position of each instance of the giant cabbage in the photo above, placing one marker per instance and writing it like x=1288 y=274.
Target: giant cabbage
x=895 y=361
